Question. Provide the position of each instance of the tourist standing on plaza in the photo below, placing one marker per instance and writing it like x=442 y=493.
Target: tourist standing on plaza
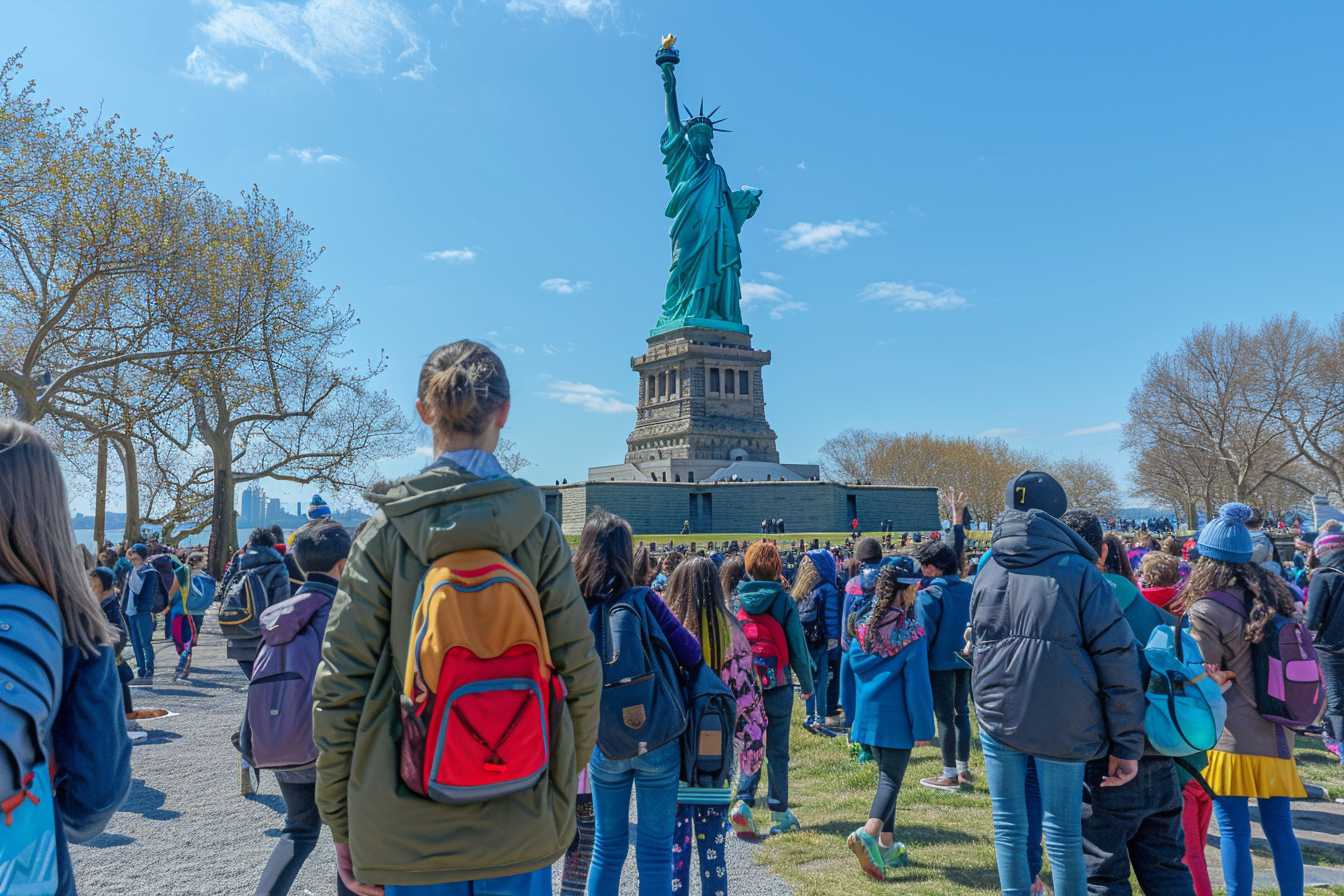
x=819 y=606
x=770 y=621
x=386 y=834
x=604 y=565
x=944 y=610
x=1325 y=617
x=1135 y=826
x=1042 y=614
x=57 y=643
x=893 y=708
x=261 y=563
x=142 y=593
x=695 y=598
x=291 y=644
x=1231 y=603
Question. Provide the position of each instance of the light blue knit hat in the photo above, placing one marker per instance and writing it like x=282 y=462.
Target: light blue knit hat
x=1227 y=538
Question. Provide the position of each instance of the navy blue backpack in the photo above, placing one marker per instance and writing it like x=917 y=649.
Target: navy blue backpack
x=642 y=704
x=707 y=743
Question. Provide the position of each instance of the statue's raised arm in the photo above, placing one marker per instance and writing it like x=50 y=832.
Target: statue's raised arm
x=670 y=83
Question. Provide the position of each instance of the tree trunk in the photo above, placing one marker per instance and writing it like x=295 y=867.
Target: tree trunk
x=100 y=499
x=130 y=474
x=222 y=526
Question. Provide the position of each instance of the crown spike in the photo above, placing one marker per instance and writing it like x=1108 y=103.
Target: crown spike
x=689 y=113
x=712 y=114
x=702 y=107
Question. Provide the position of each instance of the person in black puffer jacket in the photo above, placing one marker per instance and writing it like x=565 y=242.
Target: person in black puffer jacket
x=1325 y=617
x=264 y=561
x=1056 y=678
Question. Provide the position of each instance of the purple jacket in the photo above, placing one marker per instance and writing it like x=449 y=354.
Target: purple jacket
x=683 y=643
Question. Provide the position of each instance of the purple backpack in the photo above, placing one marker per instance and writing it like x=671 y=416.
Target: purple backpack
x=280 y=695
x=1289 y=684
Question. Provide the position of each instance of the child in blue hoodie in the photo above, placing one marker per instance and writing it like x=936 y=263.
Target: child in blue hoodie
x=819 y=607
x=944 y=609
x=770 y=621
x=893 y=708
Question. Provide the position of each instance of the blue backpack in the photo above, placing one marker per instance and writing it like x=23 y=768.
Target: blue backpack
x=1186 y=710
x=642 y=704
x=31 y=665
x=707 y=742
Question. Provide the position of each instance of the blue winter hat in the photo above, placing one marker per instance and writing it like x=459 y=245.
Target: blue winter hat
x=1227 y=538
x=318 y=509
x=141 y=549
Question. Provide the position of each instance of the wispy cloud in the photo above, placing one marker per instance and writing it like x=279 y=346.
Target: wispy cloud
x=1000 y=432
x=1109 y=426
x=771 y=276
x=776 y=300
x=829 y=236
x=552 y=348
x=453 y=256
x=593 y=399
x=324 y=37
x=564 y=286
x=201 y=65
x=508 y=348
x=912 y=297
x=598 y=13
x=801 y=166
x=308 y=155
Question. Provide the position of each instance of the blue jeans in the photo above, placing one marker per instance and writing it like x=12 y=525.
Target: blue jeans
x=1034 y=854
x=531 y=883
x=1135 y=828
x=1234 y=843
x=821 y=678
x=654 y=778
x=141 y=627
x=1062 y=818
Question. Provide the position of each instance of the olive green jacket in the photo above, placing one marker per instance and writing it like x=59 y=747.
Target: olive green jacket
x=396 y=836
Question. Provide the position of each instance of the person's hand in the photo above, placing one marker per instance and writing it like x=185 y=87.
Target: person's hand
x=956 y=504
x=1120 y=772
x=346 y=869
x=1224 y=677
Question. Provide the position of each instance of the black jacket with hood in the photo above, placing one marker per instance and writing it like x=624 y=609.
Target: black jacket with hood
x=269 y=567
x=1056 y=665
x=1325 y=603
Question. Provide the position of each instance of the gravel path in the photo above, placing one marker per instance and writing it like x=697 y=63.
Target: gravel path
x=185 y=831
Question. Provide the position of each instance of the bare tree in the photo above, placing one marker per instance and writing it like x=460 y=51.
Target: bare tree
x=1313 y=413
x=1089 y=485
x=510 y=457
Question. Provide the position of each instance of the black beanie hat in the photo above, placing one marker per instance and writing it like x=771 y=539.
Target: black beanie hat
x=868 y=550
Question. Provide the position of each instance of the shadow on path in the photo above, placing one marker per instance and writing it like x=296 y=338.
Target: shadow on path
x=146 y=801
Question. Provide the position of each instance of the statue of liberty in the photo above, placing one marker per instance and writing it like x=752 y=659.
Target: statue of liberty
x=704 y=282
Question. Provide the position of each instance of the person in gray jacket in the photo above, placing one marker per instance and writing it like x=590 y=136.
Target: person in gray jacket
x=1056 y=679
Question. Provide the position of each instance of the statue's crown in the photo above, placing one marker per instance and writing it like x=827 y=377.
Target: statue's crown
x=703 y=120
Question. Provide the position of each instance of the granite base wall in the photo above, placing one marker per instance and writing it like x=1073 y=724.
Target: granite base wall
x=661 y=508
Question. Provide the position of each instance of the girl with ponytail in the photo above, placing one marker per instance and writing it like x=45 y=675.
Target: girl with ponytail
x=694 y=595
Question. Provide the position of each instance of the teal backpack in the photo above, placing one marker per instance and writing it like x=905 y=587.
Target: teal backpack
x=1186 y=710
x=31 y=646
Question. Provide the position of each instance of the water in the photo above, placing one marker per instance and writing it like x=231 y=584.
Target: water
x=85 y=537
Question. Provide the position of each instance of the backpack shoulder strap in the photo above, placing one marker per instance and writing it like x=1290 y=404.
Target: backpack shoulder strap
x=1229 y=601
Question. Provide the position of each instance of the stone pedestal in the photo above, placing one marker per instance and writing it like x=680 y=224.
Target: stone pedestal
x=701 y=405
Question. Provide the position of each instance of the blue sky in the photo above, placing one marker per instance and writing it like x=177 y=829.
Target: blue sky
x=999 y=210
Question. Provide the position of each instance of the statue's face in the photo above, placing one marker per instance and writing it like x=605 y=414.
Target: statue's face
x=701 y=139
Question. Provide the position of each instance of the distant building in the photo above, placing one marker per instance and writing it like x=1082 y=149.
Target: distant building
x=253 y=510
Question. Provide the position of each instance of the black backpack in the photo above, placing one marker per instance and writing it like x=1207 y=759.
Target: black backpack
x=707 y=742
x=239 y=612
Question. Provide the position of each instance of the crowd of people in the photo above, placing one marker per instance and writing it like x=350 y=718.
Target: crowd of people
x=465 y=703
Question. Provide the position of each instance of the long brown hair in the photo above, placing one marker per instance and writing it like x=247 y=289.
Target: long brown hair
x=694 y=595
x=807 y=579
x=37 y=546
x=731 y=574
x=1117 y=556
x=1268 y=594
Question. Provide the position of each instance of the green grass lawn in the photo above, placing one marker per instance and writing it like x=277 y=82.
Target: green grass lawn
x=950 y=836
x=703 y=538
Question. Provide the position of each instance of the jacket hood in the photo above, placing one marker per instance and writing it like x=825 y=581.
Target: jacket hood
x=282 y=623
x=866 y=581
x=758 y=597
x=1161 y=596
x=446 y=509
x=256 y=558
x=1027 y=538
x=824 y=561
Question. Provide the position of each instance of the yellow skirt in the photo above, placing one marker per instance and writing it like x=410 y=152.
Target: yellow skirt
x=1232 y=774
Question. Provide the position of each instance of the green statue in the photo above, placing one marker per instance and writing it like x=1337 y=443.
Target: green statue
x=704 y=282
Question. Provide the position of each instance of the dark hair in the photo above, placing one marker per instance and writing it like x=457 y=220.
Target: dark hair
x=278 y=533
x=694 y=595
x=462 y=384
x=937 y=553
x=1257 y=518
x=320 y=545
x=261 y=537
x=1088 y=527
x=196 y=557
x=731 y=573
x=888 y=589
x=105 y=576
x=646 y=568
x=1117 y=557
x=605 y=560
